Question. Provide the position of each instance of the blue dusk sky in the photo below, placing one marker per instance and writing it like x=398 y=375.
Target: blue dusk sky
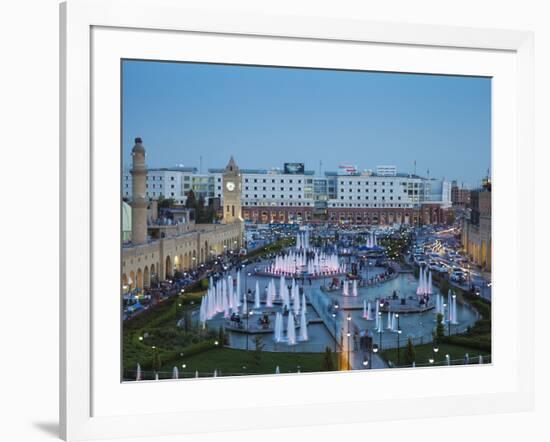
x=266 y=116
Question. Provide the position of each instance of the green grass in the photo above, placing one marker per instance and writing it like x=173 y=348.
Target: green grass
x=425 y=351
x=273 y=247
x=228 y=361
x=157 y=327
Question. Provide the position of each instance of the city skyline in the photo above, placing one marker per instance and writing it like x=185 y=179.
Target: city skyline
x=267 y=116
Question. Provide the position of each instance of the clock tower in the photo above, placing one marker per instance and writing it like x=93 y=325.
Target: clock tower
x=232 y=190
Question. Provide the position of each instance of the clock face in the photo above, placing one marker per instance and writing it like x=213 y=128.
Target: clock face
x=230 y=186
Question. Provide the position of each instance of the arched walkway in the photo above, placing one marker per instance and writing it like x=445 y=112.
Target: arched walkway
x=168 y=268
x=139 y=279
x=146 y=277
x=132 y=280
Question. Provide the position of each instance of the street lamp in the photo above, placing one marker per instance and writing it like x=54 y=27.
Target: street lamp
x=248 y=314
x=348 y=335
x=398 y=336
x=380 y=329
x=435 y=349
x=348 y=318
x=335 y=332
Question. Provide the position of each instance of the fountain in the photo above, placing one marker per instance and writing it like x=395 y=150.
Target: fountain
x=138 y=372
x=354 y=289
x=345 y=288
x=282 y=289
x=481 y=359
x=278 y=328
x=448 y=359
x=175 y=373
x=316 y=263
x=290 y=330
x=303 y=326
x=277 y=370
x=389 y=324
x=270 y=293
x=196 y=373
x=296 y=300
x=238 y=294
x=365 y=313
x=257 y=296
x=245 y=305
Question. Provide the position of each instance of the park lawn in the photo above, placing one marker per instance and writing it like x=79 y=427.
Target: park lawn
x=229 y=361
x=425 y=351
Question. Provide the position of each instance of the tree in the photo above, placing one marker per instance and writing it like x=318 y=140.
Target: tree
x=328 y=360
x=156 y=360
x=191 y=201
x=410 y=354
x=259 y=346
x=222 y=336
x=451 y=218
x=440 y=329
x=166 y=203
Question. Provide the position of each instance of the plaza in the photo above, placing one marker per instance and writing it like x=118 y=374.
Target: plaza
x=322 y=223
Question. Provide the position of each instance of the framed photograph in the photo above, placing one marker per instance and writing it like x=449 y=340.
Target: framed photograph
x=328 y=221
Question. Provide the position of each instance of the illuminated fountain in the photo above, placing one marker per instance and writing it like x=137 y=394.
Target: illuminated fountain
x=290 y=330
x=278 y=328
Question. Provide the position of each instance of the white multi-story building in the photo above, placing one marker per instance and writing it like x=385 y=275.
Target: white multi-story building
x=278 y=195
x=166 y=182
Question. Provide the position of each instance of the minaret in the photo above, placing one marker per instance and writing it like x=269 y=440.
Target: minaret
x=139 y=200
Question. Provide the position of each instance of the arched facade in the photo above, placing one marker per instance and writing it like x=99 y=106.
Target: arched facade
x=146 y=277
x=168 y=268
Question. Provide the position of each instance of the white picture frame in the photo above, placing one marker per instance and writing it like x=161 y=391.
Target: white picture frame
x=91 y=405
